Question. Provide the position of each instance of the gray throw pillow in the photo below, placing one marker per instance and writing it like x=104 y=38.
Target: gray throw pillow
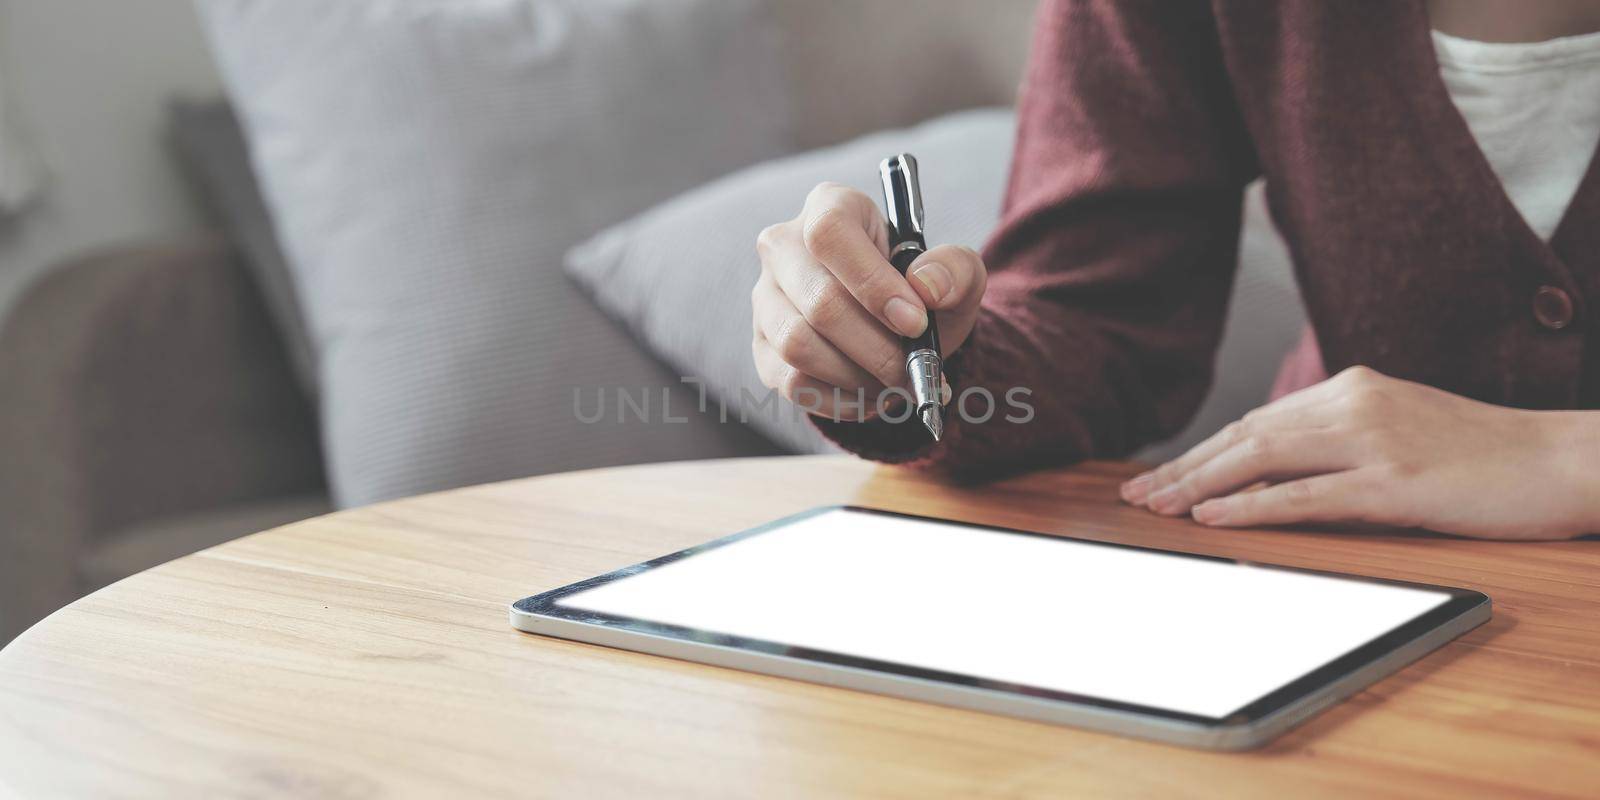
x=428 y=162
x=679 y=275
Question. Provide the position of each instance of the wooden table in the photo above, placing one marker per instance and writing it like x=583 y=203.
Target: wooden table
x=367 y=654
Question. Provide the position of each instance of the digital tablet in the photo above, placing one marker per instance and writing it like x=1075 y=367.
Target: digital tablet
x=1193 y=650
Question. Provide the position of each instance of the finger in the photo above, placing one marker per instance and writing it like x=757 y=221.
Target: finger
x=834 y=312
x=1302 y=409
x=800 y=346
x=809 y=394
x=949 y=277
x=1272 y=457
x=837 y=232
x=1353 y=495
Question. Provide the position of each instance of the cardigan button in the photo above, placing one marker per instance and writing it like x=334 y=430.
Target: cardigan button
x=1552 y=306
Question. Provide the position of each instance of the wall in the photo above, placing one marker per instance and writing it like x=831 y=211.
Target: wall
x=86 y=83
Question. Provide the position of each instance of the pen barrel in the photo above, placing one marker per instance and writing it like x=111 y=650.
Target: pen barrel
x=924 y=362
x=904 y=254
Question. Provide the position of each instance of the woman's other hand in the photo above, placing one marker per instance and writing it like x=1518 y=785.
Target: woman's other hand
x=1364 y=447
x=829 y=308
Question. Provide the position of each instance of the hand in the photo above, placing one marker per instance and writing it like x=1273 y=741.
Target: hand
x=829 y=308
x=1364 y=447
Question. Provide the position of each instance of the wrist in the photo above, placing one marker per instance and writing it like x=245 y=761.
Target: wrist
x=1573 y=437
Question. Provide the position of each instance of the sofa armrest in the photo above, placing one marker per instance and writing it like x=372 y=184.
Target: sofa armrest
x=133 y=384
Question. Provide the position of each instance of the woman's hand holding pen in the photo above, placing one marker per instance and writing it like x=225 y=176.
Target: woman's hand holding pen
x=829 y=309
x=1364 y=447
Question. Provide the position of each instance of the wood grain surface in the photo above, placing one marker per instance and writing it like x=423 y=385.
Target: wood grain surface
x=367 y=654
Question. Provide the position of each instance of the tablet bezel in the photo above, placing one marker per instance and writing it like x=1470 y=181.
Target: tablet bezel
x=1319 y=687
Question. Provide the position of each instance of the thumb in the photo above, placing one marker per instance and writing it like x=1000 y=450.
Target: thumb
x=949 y=278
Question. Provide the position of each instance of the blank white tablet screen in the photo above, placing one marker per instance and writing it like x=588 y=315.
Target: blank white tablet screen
x=1185 y=634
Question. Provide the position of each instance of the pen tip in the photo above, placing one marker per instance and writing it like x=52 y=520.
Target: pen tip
x=934 y=421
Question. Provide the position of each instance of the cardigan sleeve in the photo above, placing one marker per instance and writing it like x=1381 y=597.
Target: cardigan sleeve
x=1110 y=271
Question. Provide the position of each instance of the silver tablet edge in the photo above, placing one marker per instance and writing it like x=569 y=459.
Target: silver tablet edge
x=1227 y=737
x=1271 y=726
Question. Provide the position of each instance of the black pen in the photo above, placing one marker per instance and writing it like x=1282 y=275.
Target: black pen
x=902 y=196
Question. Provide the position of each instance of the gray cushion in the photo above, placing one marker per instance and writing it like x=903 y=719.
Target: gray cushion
x=427 y=164
x=214 y=154
x=679 y=276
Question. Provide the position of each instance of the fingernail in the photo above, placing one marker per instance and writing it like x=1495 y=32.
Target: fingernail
x=1165 y=501
x=1210 y=512
x=906 y=318
x=1136 y=488
x=944 y=391
x=936 y=278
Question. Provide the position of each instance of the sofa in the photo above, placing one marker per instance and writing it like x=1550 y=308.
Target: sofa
x=150 y=407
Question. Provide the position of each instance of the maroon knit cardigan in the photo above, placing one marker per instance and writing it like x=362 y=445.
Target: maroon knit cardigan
x=1140 y=123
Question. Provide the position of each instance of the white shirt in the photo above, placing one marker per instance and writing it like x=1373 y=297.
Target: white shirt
x=1534 y=109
